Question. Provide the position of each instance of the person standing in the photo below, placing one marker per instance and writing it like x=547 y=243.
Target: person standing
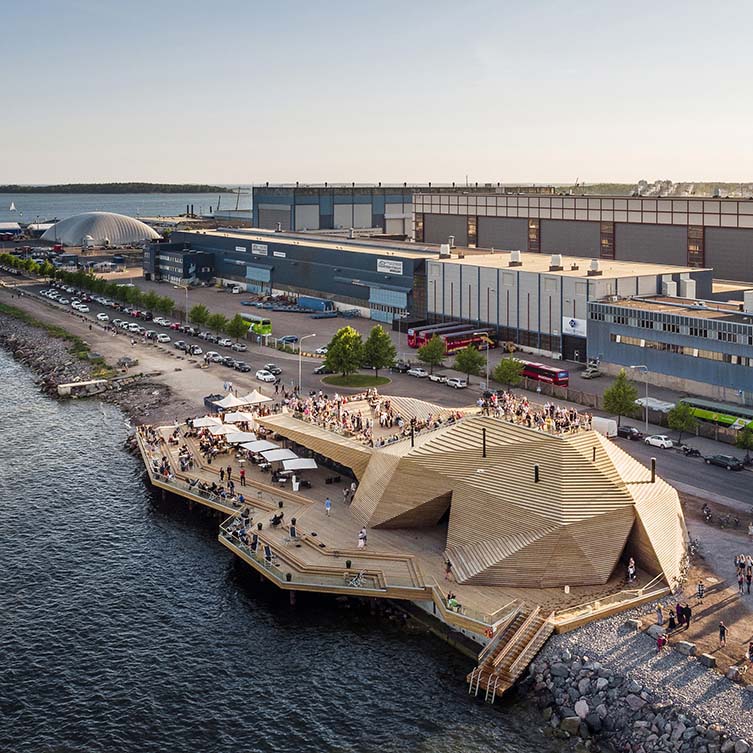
x=362 y=539
x=659 y=615
x=740 y=582
x=688 y=613
x=229 y=472
x=679 y=613
x=748 y=576
x=722 y=635
x=448 y=570
x=242 y=475
x=700 y=591
x=345 y=495
x=327 y=506
x=222 y=475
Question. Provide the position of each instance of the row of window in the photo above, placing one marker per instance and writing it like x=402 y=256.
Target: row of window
x=683 y=350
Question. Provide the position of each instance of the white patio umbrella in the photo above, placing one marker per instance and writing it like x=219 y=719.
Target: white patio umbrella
x=222 y=429
x=238 y=417
x=231 y=401
x=273 y=456
x=254 y=398
x=259 y=446
x=300 y=464
x=205 y=421
x=236 y=437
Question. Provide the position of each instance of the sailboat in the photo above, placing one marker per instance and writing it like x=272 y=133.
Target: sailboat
x=12 y=207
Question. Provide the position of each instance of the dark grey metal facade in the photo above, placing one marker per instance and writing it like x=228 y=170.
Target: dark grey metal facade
x=730 y=252
x=570 y=237
x=503 y=233
x=442 y=226
x=657 y=244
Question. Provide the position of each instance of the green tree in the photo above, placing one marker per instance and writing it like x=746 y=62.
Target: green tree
x=744 y=441
x=199 y=314
x=682 y=420
x=508 y=371
x=620 y=396
x=166 y=305
x=217 y=322
x=432 y=353
x=151 y=301
x=237 y=327
x=378 y=350
x=469 y=360
x=345 y=351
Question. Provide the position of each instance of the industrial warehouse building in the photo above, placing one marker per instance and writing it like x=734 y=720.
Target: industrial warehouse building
x=703 y=232
x=535 y=300
x=688 y=344
x=331 y=206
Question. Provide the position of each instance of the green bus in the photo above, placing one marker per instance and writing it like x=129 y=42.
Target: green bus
x=260 y=325
x=734 y=416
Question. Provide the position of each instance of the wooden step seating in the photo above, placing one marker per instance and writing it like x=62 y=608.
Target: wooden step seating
x=512 y=649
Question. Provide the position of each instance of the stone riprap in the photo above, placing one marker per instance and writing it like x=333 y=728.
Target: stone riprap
x=607 y=684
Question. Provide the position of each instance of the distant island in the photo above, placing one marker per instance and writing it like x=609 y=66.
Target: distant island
x=117 y=188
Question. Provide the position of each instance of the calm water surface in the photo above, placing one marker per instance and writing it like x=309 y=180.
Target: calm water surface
x=125 y=626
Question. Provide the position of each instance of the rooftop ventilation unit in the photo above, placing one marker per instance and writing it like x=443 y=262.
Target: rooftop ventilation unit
x=687 y=288
x=444 y=250
x=669 y=288
x=515 y=259
x=451 y=241
x=574 y=267
x=555 y=263
x=595 y=268
x=748 y=301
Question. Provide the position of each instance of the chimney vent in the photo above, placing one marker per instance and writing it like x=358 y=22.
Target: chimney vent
x=515 y=259
x=555 y=263
x=595 y=270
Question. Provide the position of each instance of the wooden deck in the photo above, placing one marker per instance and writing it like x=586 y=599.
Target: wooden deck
x=397 y=563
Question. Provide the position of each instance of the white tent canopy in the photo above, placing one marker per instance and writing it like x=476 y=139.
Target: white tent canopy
x=238 y=417
x=274 y=456
x=254 y=398
x=204 y=421
x=231 y=401
x=236 y=437
x=218 y=430
x=299 y=464
x=259 y=446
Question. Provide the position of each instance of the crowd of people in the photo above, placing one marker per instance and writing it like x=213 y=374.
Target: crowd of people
x=551 y=418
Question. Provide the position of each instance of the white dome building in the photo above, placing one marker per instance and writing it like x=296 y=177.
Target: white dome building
x=99 y=229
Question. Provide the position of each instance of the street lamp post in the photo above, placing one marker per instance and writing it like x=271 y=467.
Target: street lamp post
x=185 y=287
x=644 y=369
x=300 y=362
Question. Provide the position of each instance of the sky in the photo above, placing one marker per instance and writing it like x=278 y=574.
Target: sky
x=426 y=90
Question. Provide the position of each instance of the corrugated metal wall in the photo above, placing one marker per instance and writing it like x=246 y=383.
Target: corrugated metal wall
x=730 y=253
x=572 y=237
x=268 y=217
x=438 y=227
x=658 y=244
x=503 y=233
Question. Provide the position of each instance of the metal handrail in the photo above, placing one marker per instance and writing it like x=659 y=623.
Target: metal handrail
x=544 y=626
x=524 y=626
x=494 y=642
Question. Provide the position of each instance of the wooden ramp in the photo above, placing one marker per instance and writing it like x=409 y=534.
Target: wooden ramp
x=512 y=649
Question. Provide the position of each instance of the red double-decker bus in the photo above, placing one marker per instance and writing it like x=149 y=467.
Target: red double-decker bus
x=478 y=338
x=548 y=374
x=418 y=336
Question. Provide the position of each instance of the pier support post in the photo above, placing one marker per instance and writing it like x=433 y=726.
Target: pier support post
x=292 y=598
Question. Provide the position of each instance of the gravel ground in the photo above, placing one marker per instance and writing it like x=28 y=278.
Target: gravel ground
x=676 y=678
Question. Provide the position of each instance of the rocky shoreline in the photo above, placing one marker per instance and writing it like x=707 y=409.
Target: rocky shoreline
x=605 y=687
x=53 y=363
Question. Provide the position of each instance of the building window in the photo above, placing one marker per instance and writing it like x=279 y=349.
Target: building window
x=472 y=230
x=418 y=227
x=607 y=240
x=534 y=236
x=696 y=248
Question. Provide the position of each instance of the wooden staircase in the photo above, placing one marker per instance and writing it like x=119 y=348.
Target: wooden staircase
x=512 y=649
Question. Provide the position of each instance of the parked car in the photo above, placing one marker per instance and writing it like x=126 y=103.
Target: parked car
x=418 y=372
x=272 y=369
x=83 y=308
x=117 y=322
x=227 y=361
x=288 y=339
x=163 y=338
x=150 y=334
x=195 y=350
x=730 y=462
x=212 y=356
x=322 y=369
x=629 y=432
x=161 y=321
x=400 y=367
x=322 y=351
x=265 y=376
x=64 y=301
x=103 y=317
x=225 y=342
x=439 y=378
x=242 y=366
x=457 y=383
x=239 y=347
x=174 y=325
x=591 y=372
x=202 y=335
x=659 y=440
x=180 y=345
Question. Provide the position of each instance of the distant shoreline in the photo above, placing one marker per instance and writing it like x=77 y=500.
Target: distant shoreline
x=116 y=188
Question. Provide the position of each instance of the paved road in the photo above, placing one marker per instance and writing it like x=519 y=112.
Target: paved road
x=671 y=464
